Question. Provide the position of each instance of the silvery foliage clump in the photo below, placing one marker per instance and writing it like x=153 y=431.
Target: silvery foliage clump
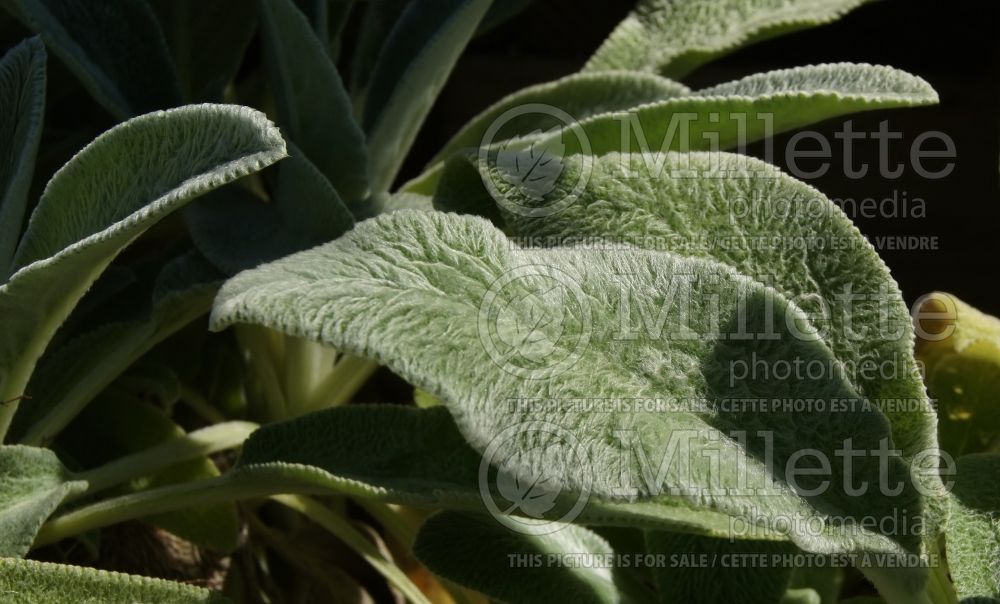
x=542 y=285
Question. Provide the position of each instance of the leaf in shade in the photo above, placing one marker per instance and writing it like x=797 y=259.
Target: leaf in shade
x=208 y=41
x=22 y=107
x=116 y=49
x=478 y=552
x=313 y=107
x=412 y=68
x=237 y=230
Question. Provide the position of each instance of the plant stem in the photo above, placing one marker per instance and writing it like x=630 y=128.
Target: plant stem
x=342 y=529
x=395 y=520
x=264 y=360
x=343 y=382
x=183 y=448
x=200 y=405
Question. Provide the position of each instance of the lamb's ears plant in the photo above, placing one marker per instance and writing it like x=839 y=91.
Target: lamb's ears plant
x=432 y=271
x=102 y=200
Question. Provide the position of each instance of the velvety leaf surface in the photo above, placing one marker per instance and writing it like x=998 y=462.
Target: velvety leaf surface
x=771 y=103
x=412 y=67
x=577 y=96
x=32 y=484
x=115 y=48
x=106 y=196
x=508 y=324
x=31 y=582
x=313 y=107
x=22 y=108
x=673 y=37
x=973 y=536
x=744 y=213
x=236 y=229
x=478 y=552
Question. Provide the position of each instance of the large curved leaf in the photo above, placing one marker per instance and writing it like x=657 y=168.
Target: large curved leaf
x=673 y=37
x=313 y=107
x=744 y=213
x=32 y=484
x=31 y=582
x=22 y=107
x=449 y=304
x=115 y=48
x=106 y=196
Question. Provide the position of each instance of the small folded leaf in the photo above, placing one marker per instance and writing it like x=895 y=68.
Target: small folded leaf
x=959 y=347
x=100 y=201
x=71 y=376
x=972 y=538
x=89 y=37
x=313 y=107
x=572 y=98
x=31 y=582
x=673 y=37
x=237 y=230
x=22 y=107
x=32 y=484
x=411 y=70
x=707 y=570
x=479 y=553
x=208 y=41
x=425 y=294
